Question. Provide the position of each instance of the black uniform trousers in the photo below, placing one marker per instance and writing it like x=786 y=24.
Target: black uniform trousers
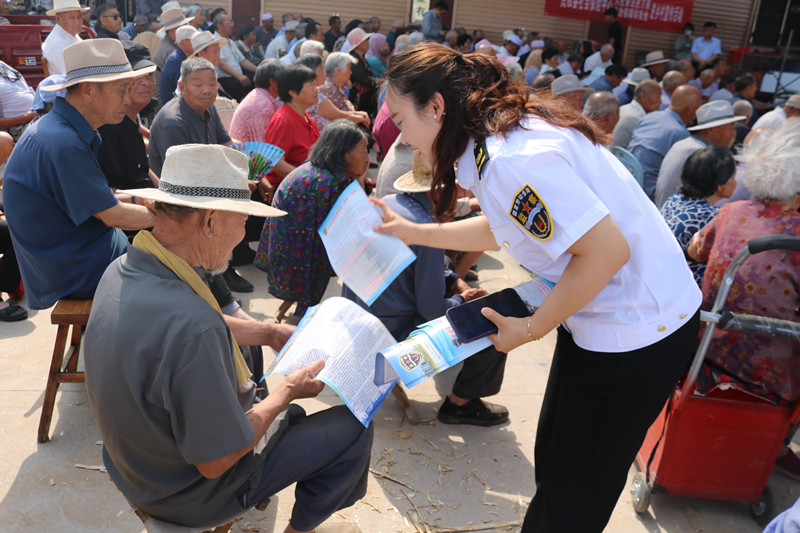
x=595 y=414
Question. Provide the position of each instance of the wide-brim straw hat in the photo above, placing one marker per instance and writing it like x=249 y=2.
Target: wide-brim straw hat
x=654 y=58
x=206 y=176
x=418 y=179
x=203 y=39
x=636 y=76
x=173 y=18
x=715 y=114
x=96 y=61
x=567 y=84
x=62 y=6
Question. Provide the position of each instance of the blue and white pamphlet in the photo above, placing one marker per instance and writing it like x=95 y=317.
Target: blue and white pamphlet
x=365 y=261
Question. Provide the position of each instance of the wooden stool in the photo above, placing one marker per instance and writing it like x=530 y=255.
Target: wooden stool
x=68 y=312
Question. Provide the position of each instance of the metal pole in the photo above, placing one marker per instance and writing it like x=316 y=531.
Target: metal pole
x=783 y=64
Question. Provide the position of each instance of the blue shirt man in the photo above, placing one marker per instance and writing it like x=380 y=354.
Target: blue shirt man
x=53 y=188
x=170 y=75
x=432 y=22
x=656 y=132
x=652 y=138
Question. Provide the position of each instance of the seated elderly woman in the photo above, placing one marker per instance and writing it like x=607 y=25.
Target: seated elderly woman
x=335 y=104
x=707 y=177
x=290 y=251
x=252 y=116
x=767 y=283
x=325 y=111
x=291 y=128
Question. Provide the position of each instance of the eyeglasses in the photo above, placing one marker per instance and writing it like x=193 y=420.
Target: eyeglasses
x=114 y=16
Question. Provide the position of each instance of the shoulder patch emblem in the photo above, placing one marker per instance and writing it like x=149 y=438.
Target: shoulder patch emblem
x=481 y=156
x=530 y=212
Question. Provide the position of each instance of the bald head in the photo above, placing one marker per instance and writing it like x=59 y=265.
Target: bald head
x=648 y=94
x=707 y=77
x=486 y=50
x=603 y=108
x=685 y=101
x=672 y=80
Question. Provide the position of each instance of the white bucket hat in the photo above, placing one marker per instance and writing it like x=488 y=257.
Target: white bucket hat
x=567 y=84
x=62 y=6
x=206 y=176
x=173 y=18
x=714 y=114
x=203 y=39
x=169 y=5
x=97 y=61
x=654 y=58
x=185 y=32
x=637 y=76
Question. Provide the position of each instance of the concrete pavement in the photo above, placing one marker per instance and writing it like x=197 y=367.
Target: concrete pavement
x=425 y=477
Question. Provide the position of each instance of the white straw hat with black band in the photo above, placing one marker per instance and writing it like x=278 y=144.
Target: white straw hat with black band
x=206 y=176
x=62 y=6
x=96 y=61
x=715 y=114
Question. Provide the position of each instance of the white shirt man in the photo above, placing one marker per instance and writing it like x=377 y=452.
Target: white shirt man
x=601 y=58
x=68 y=25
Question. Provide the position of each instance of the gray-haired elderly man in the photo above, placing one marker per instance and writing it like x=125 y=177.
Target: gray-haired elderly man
x=603 y=108
x=65 y=221
x=183 y=439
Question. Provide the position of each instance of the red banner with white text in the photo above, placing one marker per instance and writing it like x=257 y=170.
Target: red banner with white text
x=665 y=15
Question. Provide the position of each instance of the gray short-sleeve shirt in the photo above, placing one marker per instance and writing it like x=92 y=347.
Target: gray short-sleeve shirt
x=177 y=123
x=162 y=386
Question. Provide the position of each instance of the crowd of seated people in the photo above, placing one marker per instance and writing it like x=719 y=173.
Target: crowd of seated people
x=316 y=95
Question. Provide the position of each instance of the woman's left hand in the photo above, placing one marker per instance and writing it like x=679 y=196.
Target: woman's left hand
x=511 y=332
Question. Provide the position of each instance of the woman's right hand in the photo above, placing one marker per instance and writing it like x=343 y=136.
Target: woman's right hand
x=394 y=224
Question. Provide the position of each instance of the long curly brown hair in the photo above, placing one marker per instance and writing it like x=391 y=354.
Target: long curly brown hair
x=480 y=100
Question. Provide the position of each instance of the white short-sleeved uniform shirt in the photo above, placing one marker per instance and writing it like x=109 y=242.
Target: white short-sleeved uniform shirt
x=53 y=49
x=542 y=188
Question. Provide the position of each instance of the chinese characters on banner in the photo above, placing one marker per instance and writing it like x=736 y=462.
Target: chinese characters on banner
x=665 y=15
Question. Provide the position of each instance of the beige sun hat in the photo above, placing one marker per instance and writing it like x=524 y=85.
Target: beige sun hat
x=96 y=61
x=636 y=76
x=418 y=179
x=203 y=39
x=357 y=36
x=714 y=114
x=654 y=58
x=567 y=84
x=206 y=176
x=62 y=6
x=173 y=18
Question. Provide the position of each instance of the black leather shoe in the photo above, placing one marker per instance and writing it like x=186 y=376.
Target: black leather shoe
x=475 y=412
x=13 y=313
x=236 y=282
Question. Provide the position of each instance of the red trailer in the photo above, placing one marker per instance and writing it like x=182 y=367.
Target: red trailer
x=721 y=445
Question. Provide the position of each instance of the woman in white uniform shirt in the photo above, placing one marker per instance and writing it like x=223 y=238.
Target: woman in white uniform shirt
x=568 y=210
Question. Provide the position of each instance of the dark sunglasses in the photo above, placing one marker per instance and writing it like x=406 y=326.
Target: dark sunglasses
x=115 y=17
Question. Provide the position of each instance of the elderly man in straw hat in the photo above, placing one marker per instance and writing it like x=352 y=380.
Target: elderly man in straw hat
x=571 y=91
x=172 y=19
x=69 y=22
x=65 y=221
x=715 y=126
x=183 y=440
x=419 y=294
